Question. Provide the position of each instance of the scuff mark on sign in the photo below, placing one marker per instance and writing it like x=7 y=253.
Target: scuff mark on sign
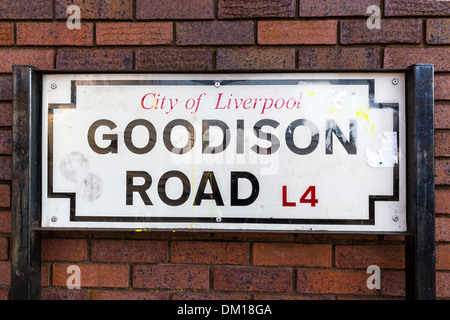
x=75 y=168
x=91 y=187
x=337 y=100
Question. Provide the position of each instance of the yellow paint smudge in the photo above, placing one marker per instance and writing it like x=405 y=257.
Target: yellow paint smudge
x=363 y=113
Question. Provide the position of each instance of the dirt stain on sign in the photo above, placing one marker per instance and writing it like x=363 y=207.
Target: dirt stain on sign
x=75 y=168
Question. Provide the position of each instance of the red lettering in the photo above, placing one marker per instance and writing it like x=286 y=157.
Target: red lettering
x=143 y=99
x=285 y=202
x=312 y=200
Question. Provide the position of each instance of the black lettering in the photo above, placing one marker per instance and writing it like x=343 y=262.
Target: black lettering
x=151 y=136
x=162 y=188
x=349 y=145
x=167 y=136
x=235 y=176
x=240 y=136
x=141 y=189
x=267 y=136
x=290 y=136
x=201 y=195
x=206 y=124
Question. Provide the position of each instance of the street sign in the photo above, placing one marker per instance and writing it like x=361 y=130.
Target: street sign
x=272 y=152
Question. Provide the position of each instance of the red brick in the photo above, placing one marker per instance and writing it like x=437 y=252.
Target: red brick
x=134 y=33
x=404 y=57
x=292 y=254
x=128 y=295
x=253 y=235
x=201 y=252
x=442 y=144
x=333 y=281
x=64 y=294
x=362 y=256
x=174 y=59
x=333 y=237
x=443 y=257
x=416 y=8
x=6 y=90
x=215 y=33
x=442 y=201
x=391 y=31
x=330 y=8
x=6 y=34
x=5 y=222
x=108 y=59
x=6 y=115
x=442 y=229
x=38 y=9
x=129 y=251
x=40 y=58
x=3 y=248
x=441 y=114
x=339 y=58
x=4 y=294
x=256 y=9
x=438 y=31
x=93 y=275
x=442 y=172
x=253 y=279
x=5 y=273
x=5 y=168
x=442 y=285
x=6 y=142
x=441 y=87
x=208 y=296
x=393 y=237
x=392 y=283
x=255 y=59
x=64 y=249
x=170 y=277
x=175 y=9
x=53 y=34
x=96 y=9
x=297 y=32
x=5 y=195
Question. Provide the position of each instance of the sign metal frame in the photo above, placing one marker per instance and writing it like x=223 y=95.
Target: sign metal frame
x=26 y=182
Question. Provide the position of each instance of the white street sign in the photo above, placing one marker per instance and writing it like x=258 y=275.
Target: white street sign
x=255 y=152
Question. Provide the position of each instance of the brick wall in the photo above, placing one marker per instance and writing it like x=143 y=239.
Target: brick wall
x=231 y=35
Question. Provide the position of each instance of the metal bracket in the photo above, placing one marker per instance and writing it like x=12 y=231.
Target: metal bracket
x=420 y=262
x=26 y=185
